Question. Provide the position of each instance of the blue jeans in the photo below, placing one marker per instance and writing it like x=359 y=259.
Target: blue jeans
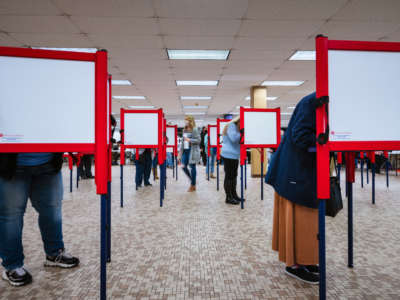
x=45 y=189
x=213 y=154
x=169 y=159
x=185 y=162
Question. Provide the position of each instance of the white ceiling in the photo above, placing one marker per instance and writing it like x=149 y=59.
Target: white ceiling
x=261 y=34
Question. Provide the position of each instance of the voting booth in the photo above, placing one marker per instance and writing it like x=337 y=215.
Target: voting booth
x=172 y=147
x=356 y=83
x=260 y=128
x=40 y=91
x=221 y=123
x=143 y=129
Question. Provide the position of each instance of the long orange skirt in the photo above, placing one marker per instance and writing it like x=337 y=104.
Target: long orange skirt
x=294 y=232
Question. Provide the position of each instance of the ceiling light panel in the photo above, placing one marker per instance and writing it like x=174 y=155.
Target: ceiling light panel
x=282 y=83
x=196 y=97
x=87 y=50
x=303 y=55
x=129 y=97
x=121 y=82
x=195 y=107
x=142 y=106
x=196 y=82
x=198 y=54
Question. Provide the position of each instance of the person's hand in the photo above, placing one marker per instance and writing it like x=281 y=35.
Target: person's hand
x=186 y=139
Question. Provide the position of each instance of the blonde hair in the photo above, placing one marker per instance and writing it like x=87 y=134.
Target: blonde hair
x=192 y=123
x=233 y=121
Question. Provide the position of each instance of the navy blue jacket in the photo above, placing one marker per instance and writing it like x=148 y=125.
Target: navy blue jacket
x=292 y=169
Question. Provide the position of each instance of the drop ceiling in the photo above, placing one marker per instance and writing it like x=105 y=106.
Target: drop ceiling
x=261 y=35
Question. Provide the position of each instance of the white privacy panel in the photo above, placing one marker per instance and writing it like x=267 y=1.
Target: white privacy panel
x=213 y=136
x=221 y=130
x=260 y=128
x=141 y=129
x=171 y=136
x=364 y=97
x=46 y=100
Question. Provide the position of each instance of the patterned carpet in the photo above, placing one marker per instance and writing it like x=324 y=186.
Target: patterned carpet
x=196 y=247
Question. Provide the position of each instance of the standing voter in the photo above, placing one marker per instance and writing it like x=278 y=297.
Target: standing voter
x=292 y=173
x=230 y=153
x=36 y=176
x=190 y=150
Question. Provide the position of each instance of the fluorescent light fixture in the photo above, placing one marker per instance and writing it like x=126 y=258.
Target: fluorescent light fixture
x=197 y=82
x=291 y=107
x=268 y=98
x=199 y=120
x=303 y=55
x=198 y=54
x=129 y=97
x=286 y=114
x=121 y=82
x=87 y=50
x=195 y=113
x=142 y=106
x=282 y=83
x=234 y=113
x=196 y=97
x=195 y=106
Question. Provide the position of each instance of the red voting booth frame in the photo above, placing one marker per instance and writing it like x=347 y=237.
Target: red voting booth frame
x=159 y=147
x=323 y=45
x=244 y=147
x=174 y=147
x=99 y=147
x=219 y=142
x=209 y=139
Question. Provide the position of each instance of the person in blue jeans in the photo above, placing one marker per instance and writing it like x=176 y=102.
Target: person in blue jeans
x=36 y=176
x=190 y=151
x=211 y=161
x=143 y=168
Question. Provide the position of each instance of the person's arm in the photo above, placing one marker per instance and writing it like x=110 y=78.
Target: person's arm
x=195 y=140
x=303 y=130
x=233 y=133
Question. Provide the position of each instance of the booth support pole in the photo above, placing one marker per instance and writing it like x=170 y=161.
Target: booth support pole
x=241 y=187
x=350 y=179
x=262 y=173
x=77 y=176
x=321 y=248
x=70 y=180
x=373 y=182
x=245 y=173
x=367 y=170
x=173 y=166
x=387 y=173
x=218 y=174
x=176 y=171
x=103 y=248
x=122 y=185
x=362 y=173
x=109 y=221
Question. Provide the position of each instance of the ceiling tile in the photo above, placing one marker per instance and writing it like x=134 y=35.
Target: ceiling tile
x=293 y=9
x=126 y=41
x=201 y=9
x=279 y=29
x=37 y=24
x=107 y=8
x=195 y=27
x=117 y=25
x=29 y=7
x=54 y=40
x=257 y=44
x=8 y=41
x=370 y=10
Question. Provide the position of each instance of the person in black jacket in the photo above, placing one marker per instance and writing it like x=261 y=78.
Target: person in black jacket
x=203 y=152
x=292 y=173
x=36 y=176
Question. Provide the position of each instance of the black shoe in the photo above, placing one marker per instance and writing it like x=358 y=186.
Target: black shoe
x=312 y=269
x=62 y=260
x=302 y=274
x=234 y=193
x=148 y=184
x=90 y=177
x=17 y=277
x=232 y=201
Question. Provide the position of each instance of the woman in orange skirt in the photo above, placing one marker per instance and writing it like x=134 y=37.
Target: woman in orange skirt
x=292 y=173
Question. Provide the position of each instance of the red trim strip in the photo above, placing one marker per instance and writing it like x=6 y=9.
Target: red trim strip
x=49 y=54
x=363 y=46
x=9 y=148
